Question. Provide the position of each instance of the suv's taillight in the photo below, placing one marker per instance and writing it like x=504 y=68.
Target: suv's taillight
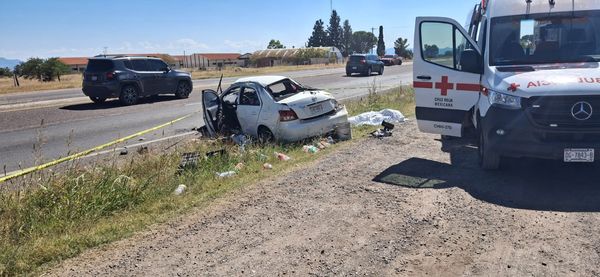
x=111 y=76
x=363 y=61
x=287 y=115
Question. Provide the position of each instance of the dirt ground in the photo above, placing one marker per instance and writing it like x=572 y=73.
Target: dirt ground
x=409 y=205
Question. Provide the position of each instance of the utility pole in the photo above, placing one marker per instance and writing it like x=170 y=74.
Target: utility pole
x=331 y=5
x=105 y=51
x=372 y=32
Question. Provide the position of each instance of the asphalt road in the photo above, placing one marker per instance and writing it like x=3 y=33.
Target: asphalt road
x=37 y=127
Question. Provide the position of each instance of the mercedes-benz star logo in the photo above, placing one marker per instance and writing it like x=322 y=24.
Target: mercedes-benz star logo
x=582 y=111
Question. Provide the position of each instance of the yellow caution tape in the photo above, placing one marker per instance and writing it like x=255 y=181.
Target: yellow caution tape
x=87 y=152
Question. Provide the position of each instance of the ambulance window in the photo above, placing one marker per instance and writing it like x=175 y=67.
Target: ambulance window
x=443 y=44
x=462 y=44
x=437 y=43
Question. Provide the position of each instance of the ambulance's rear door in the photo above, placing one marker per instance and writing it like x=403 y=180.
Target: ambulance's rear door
x=447 y=73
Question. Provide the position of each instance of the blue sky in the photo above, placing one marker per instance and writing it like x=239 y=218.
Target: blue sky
x=42 y=28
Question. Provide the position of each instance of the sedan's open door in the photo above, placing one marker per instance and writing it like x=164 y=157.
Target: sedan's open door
x=211 y=105
x=447 y=74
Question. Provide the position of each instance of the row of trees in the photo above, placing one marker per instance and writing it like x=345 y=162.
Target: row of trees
x=44 y=70
x=342 y=37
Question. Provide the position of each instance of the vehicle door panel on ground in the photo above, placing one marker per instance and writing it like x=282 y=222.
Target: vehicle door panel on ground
x=447 y=80
x=249 y=109
x=145 y=75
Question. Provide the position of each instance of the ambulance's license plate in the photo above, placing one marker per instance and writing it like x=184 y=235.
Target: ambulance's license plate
x=579 y=155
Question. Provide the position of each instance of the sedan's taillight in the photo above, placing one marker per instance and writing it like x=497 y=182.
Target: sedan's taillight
x=287 y=115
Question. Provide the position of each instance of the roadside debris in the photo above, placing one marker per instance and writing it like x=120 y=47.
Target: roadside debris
x=189 y=159
x=226 y=174
x=343 y=131
x=377 y=118
x=216 y=153
x=124 y=151
x=180 y=189
x=240 y=140
x=239 y=166
x=267 y=166
x=385 y=132
x=282 y=157
x=143 y=150
x=310 y=149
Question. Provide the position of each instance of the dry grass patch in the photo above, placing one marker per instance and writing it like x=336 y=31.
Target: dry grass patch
x=67 y=81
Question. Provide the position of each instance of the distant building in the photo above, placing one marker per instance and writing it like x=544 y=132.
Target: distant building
x=78 y=64
x=211 y=60
x=295 y=56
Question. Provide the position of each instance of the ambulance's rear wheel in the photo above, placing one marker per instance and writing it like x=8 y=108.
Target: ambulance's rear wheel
x=488 y=158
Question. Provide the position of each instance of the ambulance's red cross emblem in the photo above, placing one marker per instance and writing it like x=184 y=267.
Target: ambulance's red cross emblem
x=444 y=86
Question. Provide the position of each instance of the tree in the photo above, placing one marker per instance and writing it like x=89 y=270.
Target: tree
x=5 y=72
x=334 y=31
x=32 y=69
x=43 y=70
x=346 y=39
x=431 y=51
x=319 y=36
x=380 y=43
x=52 y=68
x=363 y=42
x=401 y=48
x=275 y=44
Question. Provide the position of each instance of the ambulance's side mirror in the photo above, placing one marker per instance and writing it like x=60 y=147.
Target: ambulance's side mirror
x=471 y=61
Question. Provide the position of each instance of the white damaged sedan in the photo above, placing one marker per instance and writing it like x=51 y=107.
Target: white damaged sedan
x=272 y=108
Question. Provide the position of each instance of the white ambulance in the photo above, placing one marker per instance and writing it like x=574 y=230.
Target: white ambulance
x=523 y=73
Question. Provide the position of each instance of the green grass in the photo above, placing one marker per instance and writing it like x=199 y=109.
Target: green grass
x=63 y=214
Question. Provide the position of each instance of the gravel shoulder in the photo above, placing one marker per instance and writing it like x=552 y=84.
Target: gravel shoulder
x=398 y=206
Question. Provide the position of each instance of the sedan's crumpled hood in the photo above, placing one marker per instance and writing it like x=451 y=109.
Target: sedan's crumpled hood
x=571 y=81
x=302 y=102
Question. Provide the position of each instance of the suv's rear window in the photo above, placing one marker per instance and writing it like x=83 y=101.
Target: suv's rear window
x=356 y=58
x=99 y=65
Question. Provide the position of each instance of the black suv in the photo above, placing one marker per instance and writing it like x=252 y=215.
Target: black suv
x=364 y=64
x=131 y=78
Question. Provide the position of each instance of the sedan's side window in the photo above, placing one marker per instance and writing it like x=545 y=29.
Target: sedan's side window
x=232 y=96
x=249 y=97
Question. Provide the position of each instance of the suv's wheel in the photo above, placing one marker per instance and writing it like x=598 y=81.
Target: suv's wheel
x=348 y=73
x=129 y=95
x=488 y=158
x=183 y=90
x=97 y=100
x=369 y=71
x=381 y=71
x=265 y=135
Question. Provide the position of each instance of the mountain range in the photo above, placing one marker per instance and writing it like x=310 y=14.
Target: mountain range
x=8 y=63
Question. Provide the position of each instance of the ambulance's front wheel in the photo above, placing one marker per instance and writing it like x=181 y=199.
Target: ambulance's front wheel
x=488 y=158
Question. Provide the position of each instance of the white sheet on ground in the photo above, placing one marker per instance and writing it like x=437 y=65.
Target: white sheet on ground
x=376 y=118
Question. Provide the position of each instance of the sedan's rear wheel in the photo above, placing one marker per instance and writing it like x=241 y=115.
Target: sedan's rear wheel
x=129 y=95
x=369 y=71
x=265 y=135
x=381 y=71
x=183 y=90
x=98 y=100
